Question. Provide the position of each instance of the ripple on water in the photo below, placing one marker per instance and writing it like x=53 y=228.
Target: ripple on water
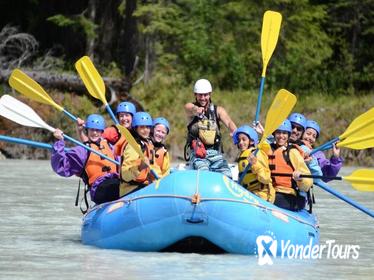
x=40 y=238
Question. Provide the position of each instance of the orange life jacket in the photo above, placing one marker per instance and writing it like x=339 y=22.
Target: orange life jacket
x=120 y=146
x=144 y=177
x=95 y=165
x=279 y=162
x=160 y=154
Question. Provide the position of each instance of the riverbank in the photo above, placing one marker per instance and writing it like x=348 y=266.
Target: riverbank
x=166 y=98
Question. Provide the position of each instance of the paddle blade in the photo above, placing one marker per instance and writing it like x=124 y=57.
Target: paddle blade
x=361 y=126
x=362 y=180
x=31 y=89
x=281 y=107
x=269 y=36
x=91 y=78
x=131 y=140
x=20 y=113
x=358 y=143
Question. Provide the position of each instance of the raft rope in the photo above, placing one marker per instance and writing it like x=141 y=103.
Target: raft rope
x=196 y=198
x=129 y=201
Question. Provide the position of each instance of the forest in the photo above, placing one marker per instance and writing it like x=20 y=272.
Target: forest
x=151 y=52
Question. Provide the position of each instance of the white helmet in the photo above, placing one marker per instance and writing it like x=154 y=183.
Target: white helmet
x=202 y=86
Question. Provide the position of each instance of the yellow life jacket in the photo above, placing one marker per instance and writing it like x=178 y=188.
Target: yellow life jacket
x=95 y=165
x=207 y=131
x=250 y=181
x=206 y=128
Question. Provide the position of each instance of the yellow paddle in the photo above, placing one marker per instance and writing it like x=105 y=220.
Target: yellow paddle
x=361 y=128
x=19 y=112
x=132 y=142
x=269 y=38
x=93 y=82
x=31 y=89
x=361 y=179
x=359 y=142
x=281 y=107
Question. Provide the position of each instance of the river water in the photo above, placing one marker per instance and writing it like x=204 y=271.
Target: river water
x=40 y=238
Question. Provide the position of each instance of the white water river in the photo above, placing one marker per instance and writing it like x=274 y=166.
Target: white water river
x=40 y=238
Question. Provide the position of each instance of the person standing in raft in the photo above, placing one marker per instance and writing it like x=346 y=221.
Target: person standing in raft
x=285 y=158
x=160 y=131
x=328 y=167
x=258 y=177
x=135 y=173
x=124 y=113
x=99 y=174
x=203 y=148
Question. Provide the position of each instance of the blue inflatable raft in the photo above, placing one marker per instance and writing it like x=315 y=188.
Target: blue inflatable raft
x=195 y=209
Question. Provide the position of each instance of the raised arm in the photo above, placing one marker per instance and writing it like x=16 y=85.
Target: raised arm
x=225 y=118
x=193 y=110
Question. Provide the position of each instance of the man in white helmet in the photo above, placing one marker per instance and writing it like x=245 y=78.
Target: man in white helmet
x=204 y=147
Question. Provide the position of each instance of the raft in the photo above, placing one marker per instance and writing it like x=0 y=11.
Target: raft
x=190 y=211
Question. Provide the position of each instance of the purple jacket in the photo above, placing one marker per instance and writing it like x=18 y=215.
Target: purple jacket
x=329 y=167
x=73 y=162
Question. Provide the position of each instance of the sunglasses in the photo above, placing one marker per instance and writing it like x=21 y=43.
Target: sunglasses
x=298 y=128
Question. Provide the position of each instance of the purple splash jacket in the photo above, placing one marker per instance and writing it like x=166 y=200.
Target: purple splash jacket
x=329 y=167
x=72 y=162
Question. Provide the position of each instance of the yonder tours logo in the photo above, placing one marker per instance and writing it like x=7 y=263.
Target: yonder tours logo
x=267 y=250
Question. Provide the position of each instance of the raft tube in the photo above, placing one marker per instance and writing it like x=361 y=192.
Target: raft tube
x=201 y=205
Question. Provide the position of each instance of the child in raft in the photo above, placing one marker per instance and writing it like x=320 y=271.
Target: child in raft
x=135 y=172
x=161 y=158
x=100 y=175
x=258 y=178
x=329 y=167
x=287 y=158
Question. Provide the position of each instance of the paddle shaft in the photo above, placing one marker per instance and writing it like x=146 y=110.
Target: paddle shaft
x=326 y=146
x=25 y=142
x=109 y=110
x=325 y=187
x=246 y=169
x=259 y=99
x=70 y=115
x=90 y=149
x=308 y=176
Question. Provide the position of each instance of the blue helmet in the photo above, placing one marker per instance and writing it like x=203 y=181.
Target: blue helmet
x=126 y=107
x=142 y=119
x=285 y=126
x=95 y=121
x=162 y=121
x=298 y=119
x=247 y=130
x=314 y=125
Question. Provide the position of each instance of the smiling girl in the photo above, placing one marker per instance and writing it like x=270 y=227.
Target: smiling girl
x=161 y=129
x=257 y=179
x=329 y=167
x=286 y=158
